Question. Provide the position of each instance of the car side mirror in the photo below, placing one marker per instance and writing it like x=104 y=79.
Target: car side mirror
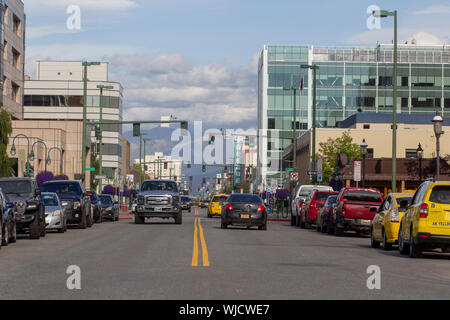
x=404 y=204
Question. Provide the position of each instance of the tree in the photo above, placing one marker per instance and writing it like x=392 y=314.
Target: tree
x=330 y=149
x=5 y=131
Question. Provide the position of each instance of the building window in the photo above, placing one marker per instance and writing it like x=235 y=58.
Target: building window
x=165 y=165
x=370 y=153
x=5 y=87
x=16 y=59
x=366 y=126
x=271 y=124
x=6 y=15
x=15 y=92
x=411 y=153
x=5 y=51
x=17 y=25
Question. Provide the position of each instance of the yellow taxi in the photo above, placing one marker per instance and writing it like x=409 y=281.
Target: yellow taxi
x=200 y=203
x=426 y=222
x=386 y=223
x=215 y=205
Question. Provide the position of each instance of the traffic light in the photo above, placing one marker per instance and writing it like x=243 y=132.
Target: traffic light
x=225 y=169
x=189 y=166
x=136 y=129
x=218 y=181
x=212 y=139
x=204 y=168
x=204 y=180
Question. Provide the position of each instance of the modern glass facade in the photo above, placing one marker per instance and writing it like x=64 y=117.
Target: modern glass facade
x=349 y=80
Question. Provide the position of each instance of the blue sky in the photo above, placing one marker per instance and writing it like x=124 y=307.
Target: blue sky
x=197 y=59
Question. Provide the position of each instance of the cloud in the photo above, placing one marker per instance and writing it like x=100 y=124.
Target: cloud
x=431 y=10
x=386 y=35
x=44 y=31
x=84 y=4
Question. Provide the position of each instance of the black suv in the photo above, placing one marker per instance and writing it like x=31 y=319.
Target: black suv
x=29 y=211
x=75 y=199
x=97 y=209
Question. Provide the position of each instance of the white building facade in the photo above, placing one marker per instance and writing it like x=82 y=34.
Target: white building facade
x=159 y=166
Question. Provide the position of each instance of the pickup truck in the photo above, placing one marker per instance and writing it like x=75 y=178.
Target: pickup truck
x=158 y=199
x=355 y=209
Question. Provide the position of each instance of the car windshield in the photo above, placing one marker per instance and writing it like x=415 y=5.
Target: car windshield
x=365 y=196
x=159 y=186
x=243 y=198
x=16 y=187
x=220 y=199
x=331 y=200
x=305 y=192
x=321 y=196
x=404 y=198
x=185 y=199
x=62 y=188
x=440 y=194
x=49 y=200
x=105 y=199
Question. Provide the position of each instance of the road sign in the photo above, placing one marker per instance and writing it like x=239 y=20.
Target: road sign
x=90 y=169
x=357 y=171
x=319 y=177
x=294 y=176
x=100 y=177
x=289 y=169
x=312 y=173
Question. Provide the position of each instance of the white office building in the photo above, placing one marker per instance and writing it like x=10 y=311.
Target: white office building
x=160 y=166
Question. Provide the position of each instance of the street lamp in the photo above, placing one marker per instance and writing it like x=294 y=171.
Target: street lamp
x=60 y=157
x=364 y=153
x=385 y=14
x=83 y=142
x=420 y=156
x=314 y=68
x=140 y=157
x=46 y=161
x=101 y=87
x=437 y=124
x=13 y=150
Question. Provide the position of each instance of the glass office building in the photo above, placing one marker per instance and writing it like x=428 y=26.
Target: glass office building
x=349 y=80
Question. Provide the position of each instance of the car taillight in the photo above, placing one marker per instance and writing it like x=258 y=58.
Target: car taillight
x=313 y=204
x=423 y=211
x=229 y=207
x=261 y=208
x=394 y=215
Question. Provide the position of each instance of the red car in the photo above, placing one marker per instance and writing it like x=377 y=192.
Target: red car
x=355 y=209
x=313 y=204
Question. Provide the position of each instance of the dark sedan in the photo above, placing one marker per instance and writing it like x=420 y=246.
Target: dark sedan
x=110 y=208
x=246 y=210
x=324 y=215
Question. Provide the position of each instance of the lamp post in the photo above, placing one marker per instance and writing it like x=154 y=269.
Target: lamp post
x=13 y=150
x=47 y=160
x=83 y=142
x=420 y=156
x=140 y=157
x=60 y=156
x=294 y=131
x=364 y=154
x=145 y=153
x=384 y=14
x=314 y=68
x=101 y=87
x=437 y=125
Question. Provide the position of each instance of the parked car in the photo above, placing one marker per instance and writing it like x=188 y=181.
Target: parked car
x=386 y=223
x=96 y=206
x=158 y=199
x=29 y=211
x=299 y=199
x=426 y=223
x=313 y=203
x=324 y=214
x=244 y=210
x=205 y=204
x=355 y=209
x=215 y=206
x=74 y=199
x=55 y=214
x=7 y=221
x=186 y=203
x=110 y=208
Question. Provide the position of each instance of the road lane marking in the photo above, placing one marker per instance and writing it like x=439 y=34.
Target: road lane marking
x=203 y=242
x=195 y=250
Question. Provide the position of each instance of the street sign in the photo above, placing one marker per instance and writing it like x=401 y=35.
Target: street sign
x=100 y=177
x=90 y=169
x=319 y=177
x=357 y=171
x=290 y=169
x=312 y=173
x=294 y=176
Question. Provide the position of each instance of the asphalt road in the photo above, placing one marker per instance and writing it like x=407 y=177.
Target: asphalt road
x=161 y=260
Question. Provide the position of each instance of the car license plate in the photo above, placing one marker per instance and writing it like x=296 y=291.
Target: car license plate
x=365 y=222
x=245 y=216
x=158 y=209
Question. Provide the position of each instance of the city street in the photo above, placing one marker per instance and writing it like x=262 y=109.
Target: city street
x=161 y=260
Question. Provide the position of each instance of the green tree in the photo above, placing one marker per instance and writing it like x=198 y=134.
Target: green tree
x=5 y=132
x=329 y=151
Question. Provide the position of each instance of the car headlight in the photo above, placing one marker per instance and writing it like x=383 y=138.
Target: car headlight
x=141 y=200
x=32 y=207
x=57 y=213
x=64 y=203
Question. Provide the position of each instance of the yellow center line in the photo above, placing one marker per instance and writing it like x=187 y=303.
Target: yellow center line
x=204 y=248
x=195 y=251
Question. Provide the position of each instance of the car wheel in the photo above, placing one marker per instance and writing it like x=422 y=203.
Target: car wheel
x=99 y=219
x=5 y=235
x=402 y=246
x=263 y=227
x=35 y=228
x=89 y=221
x=385 y=245
x=83 y=223
x=43 y=229
x=223 y=226
x=13 y=238
x=373 y=242
x=137 y=219
x=293 y=220
x=179 y=218
x=414 y=250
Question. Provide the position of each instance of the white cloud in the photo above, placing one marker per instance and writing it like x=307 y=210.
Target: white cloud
x=43 y=31
x=386 y=35
x=431 y=10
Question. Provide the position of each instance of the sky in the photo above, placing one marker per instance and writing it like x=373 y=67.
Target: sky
x=197 y=59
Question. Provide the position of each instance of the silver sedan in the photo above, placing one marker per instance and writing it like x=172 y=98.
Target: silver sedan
x=55 y=217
